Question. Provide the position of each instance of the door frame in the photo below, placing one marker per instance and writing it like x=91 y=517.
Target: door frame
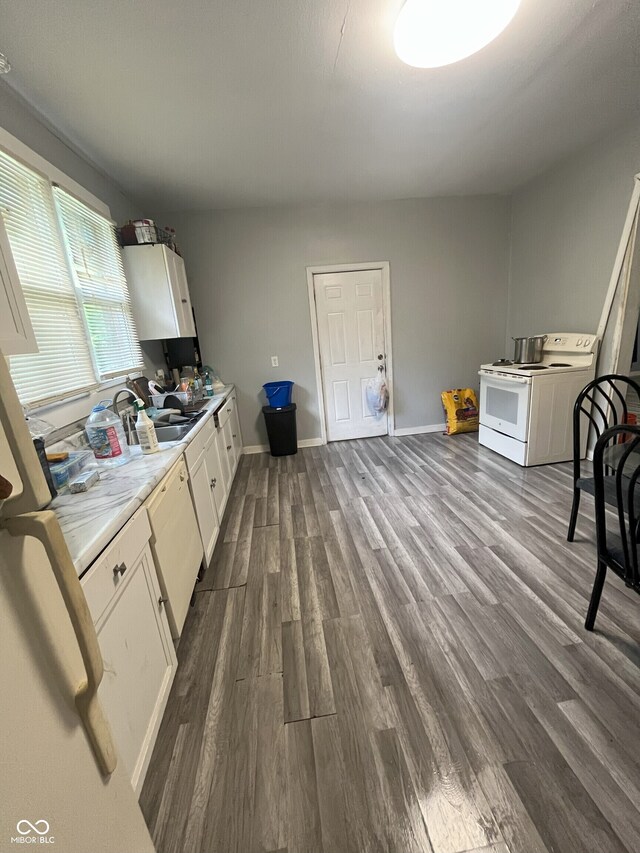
x=384 y=268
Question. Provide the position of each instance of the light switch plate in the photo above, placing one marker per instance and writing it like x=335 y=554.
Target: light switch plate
x=274 y=361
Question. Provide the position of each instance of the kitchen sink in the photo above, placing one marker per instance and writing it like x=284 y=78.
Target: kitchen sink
x=174 y=432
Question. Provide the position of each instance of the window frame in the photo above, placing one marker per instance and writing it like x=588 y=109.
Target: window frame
x=29 y=158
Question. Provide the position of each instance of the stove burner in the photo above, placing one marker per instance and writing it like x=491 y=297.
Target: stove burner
x=501 y=362
x=560 y=364
x=533 y=367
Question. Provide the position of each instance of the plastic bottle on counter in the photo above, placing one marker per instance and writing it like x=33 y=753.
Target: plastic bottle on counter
x=106 y=436
x=145 y=430
x=208 y=385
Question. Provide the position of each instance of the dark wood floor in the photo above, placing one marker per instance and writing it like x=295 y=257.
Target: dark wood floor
x=388 y=654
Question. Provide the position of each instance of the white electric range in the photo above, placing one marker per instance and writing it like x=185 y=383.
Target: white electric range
x=526 y=410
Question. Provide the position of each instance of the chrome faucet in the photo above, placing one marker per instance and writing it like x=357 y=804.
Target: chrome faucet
x=128 y=423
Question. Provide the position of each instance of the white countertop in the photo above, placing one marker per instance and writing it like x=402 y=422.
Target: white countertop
x=90 y=520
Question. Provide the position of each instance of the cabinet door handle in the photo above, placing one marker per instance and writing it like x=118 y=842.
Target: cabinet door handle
x=182 y=477
x=184 y=301
x=162 y=601
x=213 y=482
x=228 y=447
x=234 y=435
x=229 y=410
x=120 y=569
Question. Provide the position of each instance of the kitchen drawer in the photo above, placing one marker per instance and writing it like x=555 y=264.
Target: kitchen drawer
x=196 y=447
x=224 y=412
x=106 y=574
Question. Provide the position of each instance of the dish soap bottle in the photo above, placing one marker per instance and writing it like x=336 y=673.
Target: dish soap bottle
x=106 y=436
x=145 y=430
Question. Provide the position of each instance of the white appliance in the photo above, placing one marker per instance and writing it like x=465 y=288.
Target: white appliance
x=176 y=543
x=526 y=410
x=61 y=781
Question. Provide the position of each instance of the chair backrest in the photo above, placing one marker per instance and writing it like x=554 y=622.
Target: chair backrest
x=604 y=405
x=618 y=450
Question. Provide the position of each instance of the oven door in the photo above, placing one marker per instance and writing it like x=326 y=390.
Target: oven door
x=504 y=403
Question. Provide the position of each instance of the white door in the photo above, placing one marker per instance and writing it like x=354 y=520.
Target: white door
x=202 y=488
x=214 y=474
x=350 y=317
x=139 y=665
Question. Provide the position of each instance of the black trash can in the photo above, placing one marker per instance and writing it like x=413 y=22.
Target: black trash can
x=281 y=429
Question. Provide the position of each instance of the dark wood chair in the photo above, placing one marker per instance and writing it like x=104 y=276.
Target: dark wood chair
x=617 y=543
x=601 y=404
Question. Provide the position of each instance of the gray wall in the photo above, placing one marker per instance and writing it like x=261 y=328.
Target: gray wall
x=449 y=266
x=565 y=230
x=21 y=121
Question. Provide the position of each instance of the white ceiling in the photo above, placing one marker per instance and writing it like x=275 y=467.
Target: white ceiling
x=194 y=104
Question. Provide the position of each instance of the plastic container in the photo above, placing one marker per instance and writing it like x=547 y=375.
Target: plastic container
x=106 y=436
x=281 y=429
x=62 y=472
x=278 y=393
x=183 y=396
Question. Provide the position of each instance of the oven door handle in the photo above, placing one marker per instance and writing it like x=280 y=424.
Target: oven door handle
x=518 y=380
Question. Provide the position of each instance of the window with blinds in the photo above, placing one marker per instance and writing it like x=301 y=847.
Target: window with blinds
x=63 y=363
x=71 y=275
x=97 y=267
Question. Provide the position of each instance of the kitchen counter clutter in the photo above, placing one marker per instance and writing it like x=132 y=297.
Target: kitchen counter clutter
x=90 y=520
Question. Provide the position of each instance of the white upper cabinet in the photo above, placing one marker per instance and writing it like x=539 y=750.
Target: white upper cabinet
x=16 y=332
x=159 y=292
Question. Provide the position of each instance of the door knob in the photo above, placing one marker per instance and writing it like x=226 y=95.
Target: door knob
x=380 y=357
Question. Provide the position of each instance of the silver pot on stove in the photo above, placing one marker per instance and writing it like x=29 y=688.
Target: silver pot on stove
x=528 y=350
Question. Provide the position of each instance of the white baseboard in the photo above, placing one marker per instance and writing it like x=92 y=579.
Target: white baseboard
x=420 y=430
x=264 y=448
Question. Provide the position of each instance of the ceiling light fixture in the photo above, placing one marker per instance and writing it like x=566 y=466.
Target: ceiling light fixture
x=5 y=65
x=432 y=33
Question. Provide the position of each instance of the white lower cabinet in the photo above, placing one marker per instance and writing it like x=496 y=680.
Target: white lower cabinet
x=212 y=460
x=125 y=601
x=175 y=542
x=214 y=472
x=202 y=488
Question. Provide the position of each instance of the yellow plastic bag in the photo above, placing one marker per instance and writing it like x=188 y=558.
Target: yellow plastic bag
x=461 y=410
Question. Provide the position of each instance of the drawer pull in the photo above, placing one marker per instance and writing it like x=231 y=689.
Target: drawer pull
x=162 y=601
x=234 y=435
x=184 y=301
x=120 y=569
x=229 y=410
x=213 y=482
x=182 y=477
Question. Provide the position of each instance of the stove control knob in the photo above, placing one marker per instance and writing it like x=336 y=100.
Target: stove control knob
x=579 y=342
x=587 y=342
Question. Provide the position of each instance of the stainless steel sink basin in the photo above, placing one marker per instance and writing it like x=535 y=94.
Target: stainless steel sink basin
x=174 y=432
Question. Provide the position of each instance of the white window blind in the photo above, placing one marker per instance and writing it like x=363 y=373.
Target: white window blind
x=102 y=286
x=63 y=365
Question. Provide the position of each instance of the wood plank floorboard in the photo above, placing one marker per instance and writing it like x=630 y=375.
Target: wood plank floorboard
x=387 y=655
